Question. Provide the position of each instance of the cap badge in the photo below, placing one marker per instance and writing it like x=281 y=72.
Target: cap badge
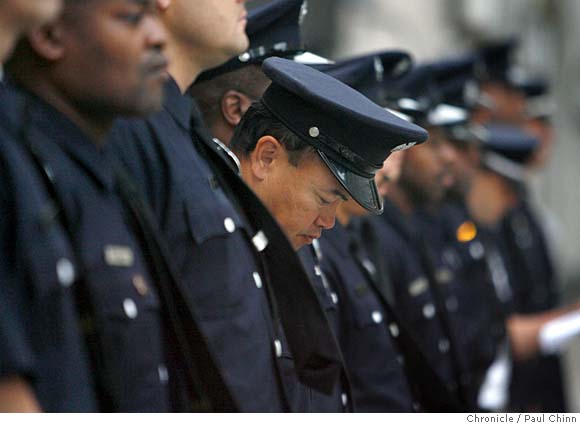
x=314 y=132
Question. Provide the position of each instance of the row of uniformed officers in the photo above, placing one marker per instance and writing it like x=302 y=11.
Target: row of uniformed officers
x=184 y=231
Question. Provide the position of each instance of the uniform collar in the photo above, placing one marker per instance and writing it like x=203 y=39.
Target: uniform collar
x=51 y=124
x=178 y=105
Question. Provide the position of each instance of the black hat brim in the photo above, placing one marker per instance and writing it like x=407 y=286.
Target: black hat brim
x=362 y=189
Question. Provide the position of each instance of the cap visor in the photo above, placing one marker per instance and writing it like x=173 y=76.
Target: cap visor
x=362 y=189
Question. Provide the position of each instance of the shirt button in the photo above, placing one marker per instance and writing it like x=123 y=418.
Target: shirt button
x=140 y=285
x=257 y=279
x=476 y=250
x=317 y=271
x=278 y=348
x=344 y=398
x=65 y=272
x=377 y=316
x=334 y=297
x=163 y=374
x=401 y=360
x=230 y=225
x=394 y=329
x=130 y=308
x=428 y=311
x=443 y=345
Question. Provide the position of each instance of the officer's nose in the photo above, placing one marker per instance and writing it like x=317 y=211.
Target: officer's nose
x=327 y=217
x=155 y=32
x=447 y=153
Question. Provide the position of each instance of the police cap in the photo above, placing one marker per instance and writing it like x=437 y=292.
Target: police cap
x=352 y=134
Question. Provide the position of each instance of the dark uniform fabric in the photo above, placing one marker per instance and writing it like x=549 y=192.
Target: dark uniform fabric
x=397 y=254
x=41 y=336
x=537 y=384
x=310 y=257
x=377 y=379
x=212 y=244
x=464 y=272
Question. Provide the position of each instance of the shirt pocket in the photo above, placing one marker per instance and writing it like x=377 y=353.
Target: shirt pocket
x=224 y=273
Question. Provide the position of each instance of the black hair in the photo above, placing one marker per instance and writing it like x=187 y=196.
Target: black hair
x=257 y=122
x=208 y=94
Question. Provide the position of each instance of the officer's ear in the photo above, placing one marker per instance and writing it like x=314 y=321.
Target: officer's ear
x=234 y=105
x=266 y=154
x=47 y=42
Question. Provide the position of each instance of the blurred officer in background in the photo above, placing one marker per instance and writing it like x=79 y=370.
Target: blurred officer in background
x=378 y=348
x=90 y=319
x=534 y=282
x=496 y=201
x=256 y=306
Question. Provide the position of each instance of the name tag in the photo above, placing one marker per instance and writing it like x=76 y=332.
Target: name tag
x=119 y=256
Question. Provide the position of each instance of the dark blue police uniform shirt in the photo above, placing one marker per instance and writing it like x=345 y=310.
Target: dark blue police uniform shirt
x=377 y=379
x=211 y=246
x=310 y=258
x=414 y=301
x=39 y=334
x=39 y=329
x=465 y=282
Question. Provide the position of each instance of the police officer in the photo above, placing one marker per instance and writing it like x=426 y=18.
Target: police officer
x=303 y=162
x=89 y=318
x=425 y=287
x=373 y=339
x=255 y=303
x=226 y=92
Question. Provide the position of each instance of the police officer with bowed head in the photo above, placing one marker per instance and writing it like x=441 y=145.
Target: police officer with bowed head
x=90 y=314
x=226 y=92
x=254 y=301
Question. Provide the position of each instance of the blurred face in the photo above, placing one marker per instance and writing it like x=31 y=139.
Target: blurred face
x=302 y=198
x=509 y=105
x=125 y=71
x=212 y=30
x=389 y=174
x=463 y=166
x=19 y=16
x=425 y=173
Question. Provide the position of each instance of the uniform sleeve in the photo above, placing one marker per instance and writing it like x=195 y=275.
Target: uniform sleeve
x=16 y=352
